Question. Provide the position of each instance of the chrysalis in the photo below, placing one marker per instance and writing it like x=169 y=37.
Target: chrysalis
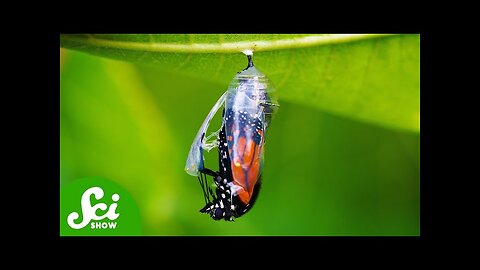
x=248 y=107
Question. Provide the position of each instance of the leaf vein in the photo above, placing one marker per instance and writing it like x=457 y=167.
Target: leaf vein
x=227 y=47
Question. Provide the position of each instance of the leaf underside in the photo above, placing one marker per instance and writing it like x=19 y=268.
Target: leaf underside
x=372 y=78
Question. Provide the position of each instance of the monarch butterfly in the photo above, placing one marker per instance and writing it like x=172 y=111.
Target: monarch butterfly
x=248 y=109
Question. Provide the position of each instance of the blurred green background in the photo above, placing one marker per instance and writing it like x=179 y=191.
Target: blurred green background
x=323 y=174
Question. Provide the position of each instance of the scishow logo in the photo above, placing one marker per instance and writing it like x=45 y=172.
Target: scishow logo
x=89 y=211
x=97 y=206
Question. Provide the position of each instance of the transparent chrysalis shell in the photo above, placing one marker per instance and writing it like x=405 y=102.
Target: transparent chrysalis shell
x=249 y=104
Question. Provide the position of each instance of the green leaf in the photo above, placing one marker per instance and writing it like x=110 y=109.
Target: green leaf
x=372 y=78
